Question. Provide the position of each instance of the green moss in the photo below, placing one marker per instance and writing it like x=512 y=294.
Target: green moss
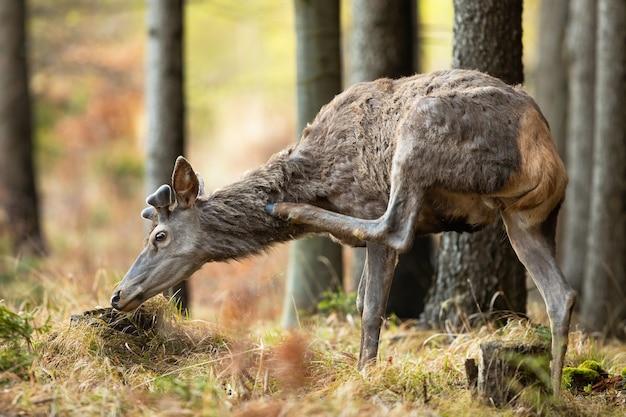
x=624 y=373
x=583 y=376
x=578 y=378
x=593 y=365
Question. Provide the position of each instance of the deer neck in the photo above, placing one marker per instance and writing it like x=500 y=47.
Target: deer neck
x=234 y=218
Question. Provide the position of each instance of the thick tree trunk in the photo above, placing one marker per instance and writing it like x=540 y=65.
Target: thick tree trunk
x=315 y=263
x=480 y=272
x=165 y=101
x=605 y=280
x=383 y=44
x=551 y=73
x=580 y=125
x=18 y=191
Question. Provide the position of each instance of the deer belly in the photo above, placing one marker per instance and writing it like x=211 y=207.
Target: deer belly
x=457 y=212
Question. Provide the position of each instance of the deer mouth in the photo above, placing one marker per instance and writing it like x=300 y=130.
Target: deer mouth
x=135 y=299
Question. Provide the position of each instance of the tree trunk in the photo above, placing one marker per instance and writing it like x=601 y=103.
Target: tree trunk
x=315 y=263
x=479 y=272
x=383 y=44
x=581 y=56
x=550 y=74
x=605 y=281
x=18 y=191
x=165 y=102
x=383 y=39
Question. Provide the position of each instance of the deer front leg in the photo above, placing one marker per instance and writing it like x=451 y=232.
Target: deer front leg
x=535 y=248
x=360 y=297
x=381 y=263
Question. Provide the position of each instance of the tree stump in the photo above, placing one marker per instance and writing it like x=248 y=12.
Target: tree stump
x=137 y=323
x=504 y=369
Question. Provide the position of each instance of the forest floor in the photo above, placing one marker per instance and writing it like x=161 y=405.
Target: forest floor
x=157 y=363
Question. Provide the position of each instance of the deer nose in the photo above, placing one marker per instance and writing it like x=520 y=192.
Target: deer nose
x=115 y=299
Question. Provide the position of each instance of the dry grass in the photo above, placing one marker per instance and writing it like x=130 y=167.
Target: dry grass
x=170 y=366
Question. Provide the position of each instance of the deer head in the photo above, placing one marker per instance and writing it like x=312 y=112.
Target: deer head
x=172 y=251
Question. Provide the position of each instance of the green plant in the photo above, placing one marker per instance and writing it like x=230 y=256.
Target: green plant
x=188 y=389
x=16 y=331
x=337 y=302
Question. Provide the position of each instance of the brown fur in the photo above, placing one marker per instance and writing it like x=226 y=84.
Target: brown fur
x=479 y=146
x=539 y=185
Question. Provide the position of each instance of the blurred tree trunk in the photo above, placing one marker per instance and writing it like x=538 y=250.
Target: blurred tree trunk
x=472 y=269
x=603 y=305
x=384 y=44
x=18 y=191
x=551 y=73
x=581 y=57
x=315 y=263
x=165 y=102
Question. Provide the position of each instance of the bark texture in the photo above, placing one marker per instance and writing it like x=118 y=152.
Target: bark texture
x=581 y=58
x=383 y=41
x=605 y=282
x=480 y=272
x=19 y=213
x=165 y=101
x=551 y=70
x=315 y=263
x=384 y=44
x=504 y=370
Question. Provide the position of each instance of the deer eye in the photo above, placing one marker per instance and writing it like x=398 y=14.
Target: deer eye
x=160 y=236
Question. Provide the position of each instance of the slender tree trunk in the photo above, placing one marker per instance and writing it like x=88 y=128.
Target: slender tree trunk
x=18 y=191
x=315 y=263
x=581 y=56
x=480 y=272
x=551 y=73
x=605 y=280
x=383 y=44
x=383 y=39
x=165 y=102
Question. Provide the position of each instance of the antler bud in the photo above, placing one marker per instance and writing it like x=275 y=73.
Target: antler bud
x=149 y=213
x=160 y=200
x=162 y=197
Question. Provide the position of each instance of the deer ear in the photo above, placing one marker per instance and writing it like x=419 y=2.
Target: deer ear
x=185 y=183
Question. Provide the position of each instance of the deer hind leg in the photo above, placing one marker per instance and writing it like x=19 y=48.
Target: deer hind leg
x=395 y=228
x=381 y=263
x=535 y=247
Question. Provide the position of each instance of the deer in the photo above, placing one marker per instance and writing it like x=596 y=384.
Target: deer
x=382 y=162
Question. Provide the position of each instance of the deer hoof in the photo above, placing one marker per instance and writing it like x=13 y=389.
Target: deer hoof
x=270 y=208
